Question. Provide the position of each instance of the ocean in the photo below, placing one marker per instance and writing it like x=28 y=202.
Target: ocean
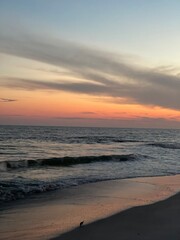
x=37 y=159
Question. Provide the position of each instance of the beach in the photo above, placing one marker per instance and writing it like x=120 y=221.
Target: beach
x=103 y=208
x=157 y=221
x=89 y=120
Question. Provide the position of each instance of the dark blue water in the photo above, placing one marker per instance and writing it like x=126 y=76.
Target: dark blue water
x=38 y=159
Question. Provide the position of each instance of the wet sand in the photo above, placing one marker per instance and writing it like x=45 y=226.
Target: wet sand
x=48 y=215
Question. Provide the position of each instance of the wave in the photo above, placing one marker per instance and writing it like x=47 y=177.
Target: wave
x=67 y=161
x=87 y=159
x=99 y=139
x=20 y=188
x=166 y=145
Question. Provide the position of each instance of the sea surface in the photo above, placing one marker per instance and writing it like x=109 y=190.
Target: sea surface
x=39 y=159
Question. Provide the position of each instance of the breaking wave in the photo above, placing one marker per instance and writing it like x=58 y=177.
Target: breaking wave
x=20 y=188
x=67 y=161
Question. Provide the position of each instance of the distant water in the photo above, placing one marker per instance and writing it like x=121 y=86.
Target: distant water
x=38 y=159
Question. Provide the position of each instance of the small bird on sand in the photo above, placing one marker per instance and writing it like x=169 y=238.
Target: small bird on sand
x=81 y=223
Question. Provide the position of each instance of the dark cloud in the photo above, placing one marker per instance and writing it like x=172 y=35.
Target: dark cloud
x=87 y=113
x=12 y=115
x=139 y=122
x=83 y=118
x=103 y=73
x=7 y=100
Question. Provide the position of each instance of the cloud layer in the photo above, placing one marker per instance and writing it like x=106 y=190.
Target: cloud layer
x=7 y=100
x=97 y=72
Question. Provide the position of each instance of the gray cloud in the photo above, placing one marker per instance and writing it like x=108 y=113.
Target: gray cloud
x=12 y=115
x=103 y=73
x=7 y=100
x=119 y=122
x=87 y=113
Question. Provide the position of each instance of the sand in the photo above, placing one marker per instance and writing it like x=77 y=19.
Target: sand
x=48 y=215
x=159 y=221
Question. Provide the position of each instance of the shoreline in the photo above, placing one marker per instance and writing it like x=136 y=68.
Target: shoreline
x=29 y=197
x=50 y=214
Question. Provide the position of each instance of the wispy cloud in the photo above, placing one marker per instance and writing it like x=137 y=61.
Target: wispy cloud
x=7 y=100
x=88 y=113
x=12 y=115
x=103 y=73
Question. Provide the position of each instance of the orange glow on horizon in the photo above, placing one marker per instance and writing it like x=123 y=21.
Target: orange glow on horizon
x=68 y=105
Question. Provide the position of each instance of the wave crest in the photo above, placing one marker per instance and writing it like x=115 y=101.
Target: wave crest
x=67 y=161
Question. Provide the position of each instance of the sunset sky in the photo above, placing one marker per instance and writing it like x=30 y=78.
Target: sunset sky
x=90 y=63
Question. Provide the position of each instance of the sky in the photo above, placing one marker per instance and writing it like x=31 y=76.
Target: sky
x=90 y=63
